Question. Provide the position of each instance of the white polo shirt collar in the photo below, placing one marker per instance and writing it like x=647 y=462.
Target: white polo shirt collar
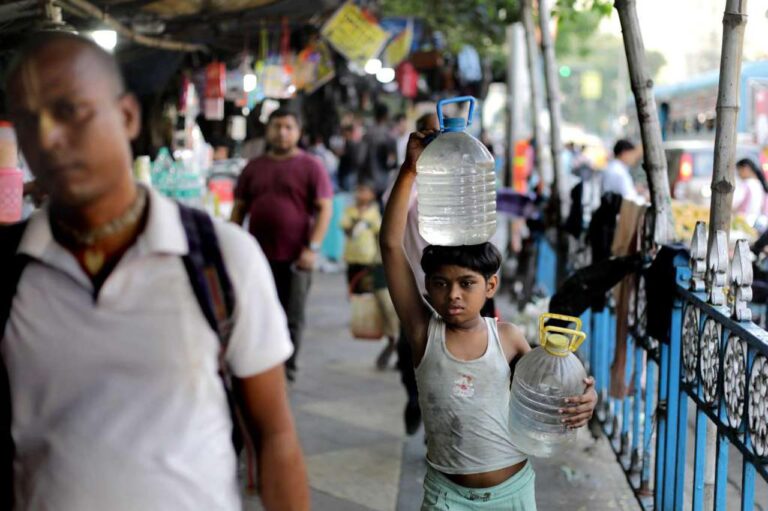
x=163 y=234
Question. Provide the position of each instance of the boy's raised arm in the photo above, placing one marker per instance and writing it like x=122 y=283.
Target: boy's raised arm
x=410 y=307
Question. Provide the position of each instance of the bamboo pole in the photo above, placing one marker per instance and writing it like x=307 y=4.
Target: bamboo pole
x=533 y=71
x=559 y=184
x=654 y=161
x=734 y=23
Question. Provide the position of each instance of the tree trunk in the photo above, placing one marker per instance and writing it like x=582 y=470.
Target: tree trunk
x=512 y=101
x=513 y=104
x=734 y=22
x=560 y=195
x=533 y=71
x=654 y=161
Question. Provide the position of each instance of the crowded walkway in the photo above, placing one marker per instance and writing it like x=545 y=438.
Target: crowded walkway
x=349 y=418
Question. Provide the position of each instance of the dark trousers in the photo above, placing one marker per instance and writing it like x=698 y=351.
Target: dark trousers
x=292 y=290
x=405 y=366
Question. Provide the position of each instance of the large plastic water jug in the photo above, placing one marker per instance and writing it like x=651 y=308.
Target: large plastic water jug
x=543 y=379
x=456 y=184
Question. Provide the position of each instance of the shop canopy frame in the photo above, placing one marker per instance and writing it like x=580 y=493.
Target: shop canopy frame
x=177 y=25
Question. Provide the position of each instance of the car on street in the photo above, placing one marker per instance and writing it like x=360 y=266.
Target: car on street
x=690 y=164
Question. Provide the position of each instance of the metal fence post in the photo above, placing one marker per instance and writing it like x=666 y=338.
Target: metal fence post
x=663 y=419
x=673 y=409
x=634 y=463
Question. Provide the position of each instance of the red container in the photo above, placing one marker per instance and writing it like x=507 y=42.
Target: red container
x=11 y=195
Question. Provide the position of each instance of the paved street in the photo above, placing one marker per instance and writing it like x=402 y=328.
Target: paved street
x=349 y=417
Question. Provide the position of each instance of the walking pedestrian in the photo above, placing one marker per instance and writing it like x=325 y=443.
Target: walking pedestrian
x=288 y=196
x=617 y=177
x=750 y=192
x=352 y=159
x=113 y=370
x=361 y=223
x=462 y=365
x=330 y=161
x=381 y=149
x=401 y=133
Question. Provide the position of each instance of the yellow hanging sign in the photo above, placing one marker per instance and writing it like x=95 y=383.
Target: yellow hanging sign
x=591 y=85
x=353 y=34
x=399 y=48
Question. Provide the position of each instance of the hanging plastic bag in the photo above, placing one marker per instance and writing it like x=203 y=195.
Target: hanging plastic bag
x=367 y=322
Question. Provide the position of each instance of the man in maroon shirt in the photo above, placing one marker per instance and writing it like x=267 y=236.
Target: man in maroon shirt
x=287 y=195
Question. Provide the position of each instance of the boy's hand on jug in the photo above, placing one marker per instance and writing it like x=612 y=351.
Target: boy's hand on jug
x=579 y=409
x=416 y=144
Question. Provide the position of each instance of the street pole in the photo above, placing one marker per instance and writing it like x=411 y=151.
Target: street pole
x=654 y=161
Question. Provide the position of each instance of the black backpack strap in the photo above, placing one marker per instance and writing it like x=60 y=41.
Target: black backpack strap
x=10 y=238
x=207 y=273
x=13 y=266
x=215 y=294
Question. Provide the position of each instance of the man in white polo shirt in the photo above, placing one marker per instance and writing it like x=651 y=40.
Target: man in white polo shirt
x=117 y=403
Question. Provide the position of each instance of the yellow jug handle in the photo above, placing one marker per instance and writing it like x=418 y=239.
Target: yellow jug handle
x=577 y=337
x=562 y=317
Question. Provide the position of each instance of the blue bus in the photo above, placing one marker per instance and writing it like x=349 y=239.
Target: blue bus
x=687 y=109
x=687 y=116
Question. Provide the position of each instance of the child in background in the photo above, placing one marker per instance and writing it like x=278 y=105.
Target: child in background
x=462 y=365
x=361 y=224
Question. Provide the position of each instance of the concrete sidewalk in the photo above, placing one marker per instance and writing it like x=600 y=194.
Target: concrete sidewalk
x=349 y=417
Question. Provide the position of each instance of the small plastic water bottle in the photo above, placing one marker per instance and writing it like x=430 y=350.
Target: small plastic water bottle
x=11 y=195
x=11 y=177
x=163 y=172
x=456 y=184
x=543 y=379
x=142 y=170
x=189 y=186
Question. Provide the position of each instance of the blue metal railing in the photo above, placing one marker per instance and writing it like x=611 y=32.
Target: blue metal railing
x=630 y=423
x=546 y=265
x=713 y=362
x=709 y=362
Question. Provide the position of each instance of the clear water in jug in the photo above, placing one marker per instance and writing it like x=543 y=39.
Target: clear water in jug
x=456 y=184
x=543 y=379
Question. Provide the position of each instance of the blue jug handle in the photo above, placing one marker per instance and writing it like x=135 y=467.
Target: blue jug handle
x=460 y=99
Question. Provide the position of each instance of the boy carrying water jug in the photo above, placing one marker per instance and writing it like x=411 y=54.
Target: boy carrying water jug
x=462 y=365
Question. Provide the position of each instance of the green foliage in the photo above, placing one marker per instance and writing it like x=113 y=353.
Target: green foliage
x=575 y=8
x=578 y=21
x=480 y=23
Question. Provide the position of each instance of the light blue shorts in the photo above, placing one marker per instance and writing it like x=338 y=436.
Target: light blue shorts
x=515 y=494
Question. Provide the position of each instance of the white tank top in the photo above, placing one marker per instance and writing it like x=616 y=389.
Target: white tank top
x=465 y=405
